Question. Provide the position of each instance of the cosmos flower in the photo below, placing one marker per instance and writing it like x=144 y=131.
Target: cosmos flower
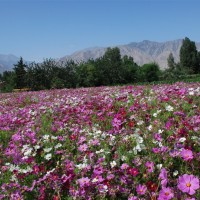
x=84 y=181
x=186 y=154
x=83 y=147
x=150 y=166
x=165 y=194
x=188 y=184
x=141 y=189
x=163 y=177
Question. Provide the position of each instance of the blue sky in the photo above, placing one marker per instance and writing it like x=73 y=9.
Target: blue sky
x=38 y=29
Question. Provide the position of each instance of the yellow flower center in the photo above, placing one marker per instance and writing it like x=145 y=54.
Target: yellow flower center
x=188 y=184
x=166 y=193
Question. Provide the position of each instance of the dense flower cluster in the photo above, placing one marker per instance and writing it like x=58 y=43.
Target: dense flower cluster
x=130 y=142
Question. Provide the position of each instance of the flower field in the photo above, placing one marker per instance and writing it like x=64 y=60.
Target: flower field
x=130 y=142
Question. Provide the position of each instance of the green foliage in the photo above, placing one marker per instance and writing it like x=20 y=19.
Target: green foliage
x=110 y=69
x=20 y=72
x=8 y=80
x=171 y=63
x=151 y=72
x=189 y=56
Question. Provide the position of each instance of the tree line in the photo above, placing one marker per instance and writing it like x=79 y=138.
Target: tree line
x=110 y=69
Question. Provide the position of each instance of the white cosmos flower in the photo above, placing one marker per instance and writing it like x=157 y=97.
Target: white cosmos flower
x=100 y=151
x=140 y=122
x=53 y=137
x=169 y=108
x=159 y=166
x=48 y=156
x=47 y=150
x=95 y=180
x=58 y=146
x=155 y=114
x=123 y=158
x=175 y=173
x=81 y=166
x=160 y=131
x=150 y=127
x=182 y=139
x=36 y=147
x=113 y=164
x=28 y=152
x=191 y=93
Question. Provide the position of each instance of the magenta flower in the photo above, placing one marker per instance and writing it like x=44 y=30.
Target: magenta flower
x=165 y=194
x=163 y=177
x=150 y=166
x=83 y=147
x=85 y=181
x=124 y=166
x=188 y=184
x=132 y=198
x=186 y=154
x=156 y=150
x=133 y=171
x=141 y=189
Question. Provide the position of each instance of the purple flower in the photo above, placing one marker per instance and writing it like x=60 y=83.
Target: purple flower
x=132 y=198
x=141 y=189
x=85 y=181
x=156 y=150
x=157 y=137
x=174 y=153
x=150 y=166
x=102 y=188
x=165 y=194
x=186 y=154
x=163 y=177
x=124 y=166
x=83 y=147
x=188 y=184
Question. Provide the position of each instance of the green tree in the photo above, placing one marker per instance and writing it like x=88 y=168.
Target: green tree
x=130 y=70
x=8 y=79
x=110 y=70
x=20 y=71
x=151 y=72
x=86 y=74
x=171 y=63
x=189 y=56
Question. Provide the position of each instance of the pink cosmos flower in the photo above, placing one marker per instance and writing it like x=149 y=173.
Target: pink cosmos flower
x=163 y=177
x=84 y=181
x=141 y=189
x=174 y=153
x=150 y=166
x=165 y=194
x=133 y=171
x=156 y=150
x=124 y=166
x=186 y=154
x=188 y=184
x=83 y=147
x=132 y=198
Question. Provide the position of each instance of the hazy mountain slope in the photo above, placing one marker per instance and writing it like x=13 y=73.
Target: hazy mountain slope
x=7 y=62
x=142 y=52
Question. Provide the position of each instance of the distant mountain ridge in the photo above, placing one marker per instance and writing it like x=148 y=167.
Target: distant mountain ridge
x=7 y=62
x=142 y=52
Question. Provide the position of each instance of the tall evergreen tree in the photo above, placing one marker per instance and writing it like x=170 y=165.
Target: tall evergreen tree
x=20 y=71
x=189 y=56
x=170 y=62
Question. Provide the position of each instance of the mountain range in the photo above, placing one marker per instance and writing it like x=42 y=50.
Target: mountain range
x=142 y=52
x=7 y=62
